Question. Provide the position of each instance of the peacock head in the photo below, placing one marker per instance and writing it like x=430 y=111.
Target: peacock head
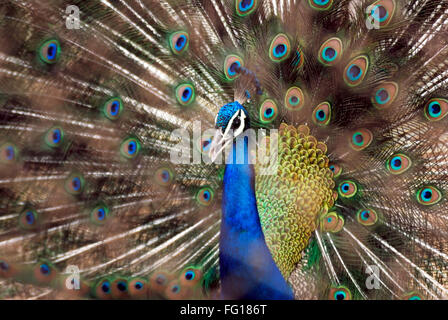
x=231 y=120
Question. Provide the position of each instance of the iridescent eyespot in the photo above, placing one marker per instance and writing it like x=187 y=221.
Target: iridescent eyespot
x=175 y=291
x=119 y=288
x=103 y=289
x=164 y=176
x=320 y=4
x=428 y=195
x=49 y=51
x=361 y=139
x=232 y=66
x=74 y=184
x=185 y=94
x=367 y=217
x=44 y=272
x=436 y=109
x=191 y=277
x=385 y=94
x=347 y=189
x=99 y=214
x=332 y=222
x=299 y=59
x=130 y=148
x=159 y=281
x=205 y=196
x=322 y=114
x=54 y=137
x=398 y=163
x=204 y=143
x=280 y=48
x=294 y=98
x=356 y=70
x=179 y=42
x=29 y=219
x=245 y=7
x=330 y=53
x=112 y=108
x=336 y=169
x=138 y=288
x=8 y=153
x=6 y=269
x=382 y=12
x=413 y=295
x=268 y=111
x=340 y=293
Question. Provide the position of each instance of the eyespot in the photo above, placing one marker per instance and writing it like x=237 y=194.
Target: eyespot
x=367 y=217
x=294 y=98
x=436 y=109
x=205 y=196
x=232 y=66
x=280 y=48
x=103 y=289
x=384 y=95
x=74 y=184
x=332 y=222
x=245 y=7
x=347 y=189
x=356 y=70
x=185 y=94
x=164 y=176
x=8 y=153
x=190 y=277
x=54 y=137
x=204 y=143
x=179 y=42
x=44 y=272
x=330 y=52
x=119 y=288
x=428 y=195
x=99 y=214
x=268 y=111
x=322 y=114
x=361 y=139
x=112 y=108
x=29 y=219
x=49 y=51
x=138 y=288
x=175 y=291
x=7 y=270
x=298 y=59
x=398 y=163
x=336 y=169
x=382 y=11
x=130 y=148
x=340 y=293
x=320 y=5
x=413 y=295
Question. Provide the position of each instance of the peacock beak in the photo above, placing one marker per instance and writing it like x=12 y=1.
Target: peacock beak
x=220 y=142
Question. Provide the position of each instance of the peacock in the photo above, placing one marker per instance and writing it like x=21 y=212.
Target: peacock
x=224 y=149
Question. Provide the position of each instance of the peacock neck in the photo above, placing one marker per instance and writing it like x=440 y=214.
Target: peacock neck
x=246 y=265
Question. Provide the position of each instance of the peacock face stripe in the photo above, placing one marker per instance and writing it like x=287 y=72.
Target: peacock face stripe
x=226 y=113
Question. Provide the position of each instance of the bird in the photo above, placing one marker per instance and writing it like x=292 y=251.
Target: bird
x=224 y=149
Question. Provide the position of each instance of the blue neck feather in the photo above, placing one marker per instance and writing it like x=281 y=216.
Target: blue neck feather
x=246 y=266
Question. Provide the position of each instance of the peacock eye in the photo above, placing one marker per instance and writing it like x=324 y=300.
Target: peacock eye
x=428 y=195
x=385 y=94
x=164 y=176
x=28 y=219
x=347 y=189
x=232 y=66
x=398 y=163
x=356 y=70
x=340 y=293
x=49 y=51
x=179 y=42
x=112 y=108
x=8 y=153
x=205 y=196
x=185 y=94
x=336 y=169
x=99 y=214
x=361 y=139
x=130 y=148
x=436 y=109
x=280 y=48
x=382 y=11
x=268 y=111
x=294 y=98
x=245 y=7
x=320 y=4
x=54 y=137
x=367 y=217
x=330 y=52
x=322 y=114
x=74 y=184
